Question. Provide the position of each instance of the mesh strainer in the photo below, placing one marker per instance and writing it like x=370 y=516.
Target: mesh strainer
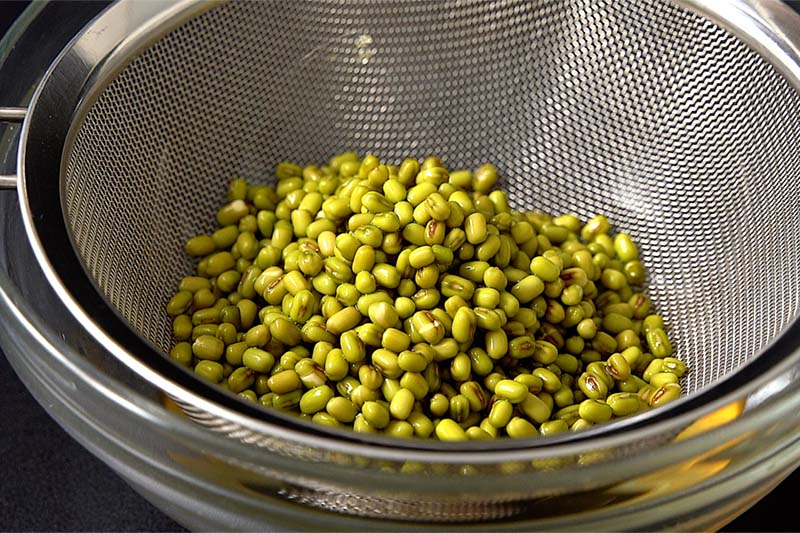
x=677 y=119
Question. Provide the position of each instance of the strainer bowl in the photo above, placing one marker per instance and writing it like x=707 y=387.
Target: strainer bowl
x=704 y=175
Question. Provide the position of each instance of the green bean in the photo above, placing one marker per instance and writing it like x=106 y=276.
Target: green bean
x=416 y=383
x=182 y=327
x=662 y=378
x=371 y=377
x=182 y=353
x=336 y=366
x=443 y=255
x=613 y=279
x=343 y=320
x=284 y=331
x=615 y=323
x=209 y=370
x=487 y=319
x=486 y=297
x=258 y=360
x=527 y=288
x=592 y=386
x=624 y=247
x=658 y=342
x=545 y=269
x=226 y=281
x=489 y=249
x=319 y=353
x=342 y=409
x=587 y=328
x=260 y=387
x=411 y=361
x=618 y=367
x=572 y=295
x=595 y=411
x=568 y=363
x=627 y=339
x=437 y=207
x=533 y=382
x=396 y=288
x=208 y=347
x=284 y=381
x=428 y=326
x=623 y=403
x=230 y=315
x=500 y=414
x=399 y=429
x=604 y=343
x=438 y=405
x=461 y=367
x=511 y=390
x=480 y=362
x=315 y=399
x=665 y=394
x=545 y=352
x=459 y=408
x=234 y=353
x=376 y=203
x=673 y=365
x=194 y=284
x=475 y=228
x=179 y=303
x=386 y=275
x=383 y=314
x=326 y=419
x=535 y=407
x=375 y=414
x=552 y=427
x=449 y=430
x=199 y=246
x=370 y=334
x=564 y=396
x=240 y=379
x=475 y=394
x=652 y=322
x=485 y=178
x=310 y=374
x=496 y=344
x=518 y=428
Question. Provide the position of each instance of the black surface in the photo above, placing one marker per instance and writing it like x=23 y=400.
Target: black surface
x=49 y=482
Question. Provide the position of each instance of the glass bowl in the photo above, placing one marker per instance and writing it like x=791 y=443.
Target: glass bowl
x=696 y=470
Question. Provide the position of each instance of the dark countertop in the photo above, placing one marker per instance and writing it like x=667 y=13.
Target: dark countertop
x=49 y=482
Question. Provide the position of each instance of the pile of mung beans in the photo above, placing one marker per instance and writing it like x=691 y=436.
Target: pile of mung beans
x=415 y=302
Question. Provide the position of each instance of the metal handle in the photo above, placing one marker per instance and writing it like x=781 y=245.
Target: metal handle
x=11 y=114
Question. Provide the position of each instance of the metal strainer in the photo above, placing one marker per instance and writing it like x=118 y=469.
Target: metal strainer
x=678 y=120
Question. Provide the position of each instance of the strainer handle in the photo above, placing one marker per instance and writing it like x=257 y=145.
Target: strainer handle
x=11 y=114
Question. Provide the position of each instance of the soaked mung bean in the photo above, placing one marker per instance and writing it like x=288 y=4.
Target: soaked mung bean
x=414 y=301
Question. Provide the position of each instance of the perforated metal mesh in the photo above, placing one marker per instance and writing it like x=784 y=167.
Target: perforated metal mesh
x=672 y=127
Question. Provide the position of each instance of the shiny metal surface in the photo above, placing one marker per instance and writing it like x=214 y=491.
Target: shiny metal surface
x=8 y=182
x=11 y=114
x=677 y=129
x=767 y=26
